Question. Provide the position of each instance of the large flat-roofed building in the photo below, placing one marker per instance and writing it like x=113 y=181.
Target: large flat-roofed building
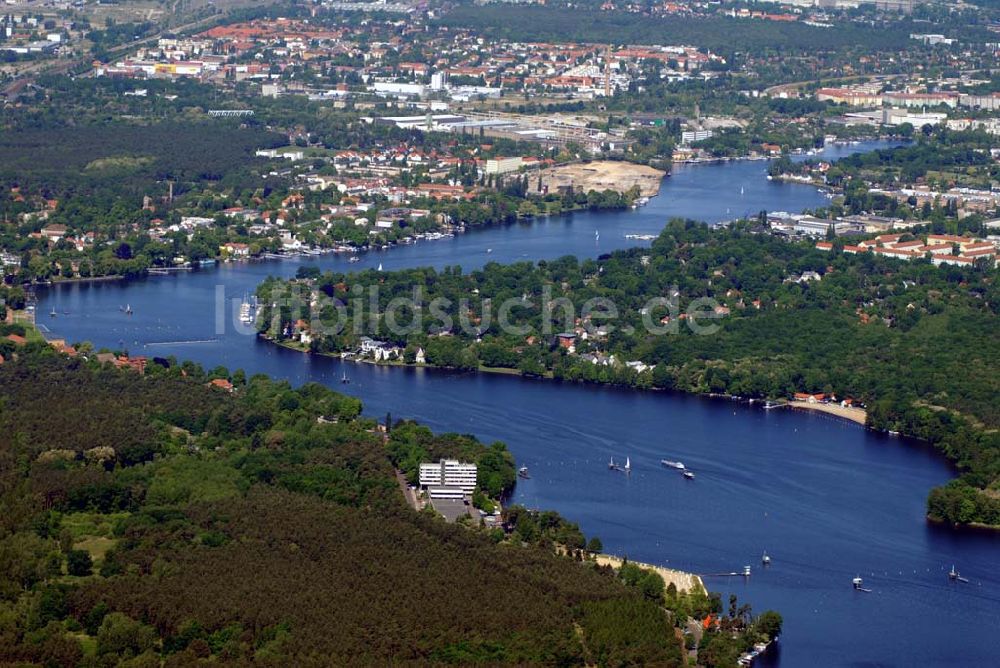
x=916 y=119
x=988 y=102
x=818 y=227
x=920 y=100
x=850 y=96
x=448 y=478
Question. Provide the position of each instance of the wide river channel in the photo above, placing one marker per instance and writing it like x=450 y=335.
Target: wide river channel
x=826 y=499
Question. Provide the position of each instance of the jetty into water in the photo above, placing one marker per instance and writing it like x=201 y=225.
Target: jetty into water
x=180 y=343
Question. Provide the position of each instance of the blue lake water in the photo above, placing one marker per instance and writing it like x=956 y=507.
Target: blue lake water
x=826 y=499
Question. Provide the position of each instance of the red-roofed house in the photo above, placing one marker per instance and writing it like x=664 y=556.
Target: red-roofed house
x=222 y=384
x=61 y=346
x=899 y=254
x=953 y=259
x=948 y=239
x=934 y=249
x=236 y=249
x=888 y=239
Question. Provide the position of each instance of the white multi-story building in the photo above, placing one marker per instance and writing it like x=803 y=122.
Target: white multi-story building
x=988 y=102
x=691 y=136
x=448 y=477
x=504 y=165
x=917 y=120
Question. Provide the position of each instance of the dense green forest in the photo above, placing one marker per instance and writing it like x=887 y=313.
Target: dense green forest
x=156 y=520
x=115 y=159
x=722 y=35
x=918 y=344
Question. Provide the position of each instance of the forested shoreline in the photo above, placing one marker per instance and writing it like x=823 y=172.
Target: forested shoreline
x=126 y=493
x=588 y=24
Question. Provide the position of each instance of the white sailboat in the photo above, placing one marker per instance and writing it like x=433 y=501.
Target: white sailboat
x=628 y=466
x=246 y=310
x=597 y=235
x=380 y=266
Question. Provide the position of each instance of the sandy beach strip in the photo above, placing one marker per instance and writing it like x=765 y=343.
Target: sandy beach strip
x=858 y=415
x=683 y=581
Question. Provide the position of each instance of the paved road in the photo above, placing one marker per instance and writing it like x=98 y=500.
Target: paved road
x=411 y=498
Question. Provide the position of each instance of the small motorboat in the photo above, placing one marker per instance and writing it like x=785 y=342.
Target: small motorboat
x=672 y=465
x=746 y=571
x=689 y=474
x=523 y=472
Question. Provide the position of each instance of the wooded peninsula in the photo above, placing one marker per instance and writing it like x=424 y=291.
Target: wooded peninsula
x=917 y=345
